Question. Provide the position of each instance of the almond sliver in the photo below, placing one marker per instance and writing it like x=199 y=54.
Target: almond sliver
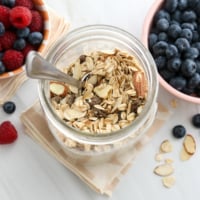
x=189 y=144
x=164 y=170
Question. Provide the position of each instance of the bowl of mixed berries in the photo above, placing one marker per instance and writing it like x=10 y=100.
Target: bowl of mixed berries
x=24 y=26
x=172 y=34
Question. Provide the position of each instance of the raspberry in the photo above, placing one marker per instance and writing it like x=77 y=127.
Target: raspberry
x=37 y=22
x=8 y=133
x=27 y=49
x=26 y=3
x=4 y=16
x=12 y=59
x=7 y=40
x=20 y=17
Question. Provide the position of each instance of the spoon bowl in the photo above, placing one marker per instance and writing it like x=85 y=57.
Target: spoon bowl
x=39 y=68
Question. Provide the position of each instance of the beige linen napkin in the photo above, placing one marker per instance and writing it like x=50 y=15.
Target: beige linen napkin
x=102 y=178
x=58 y=27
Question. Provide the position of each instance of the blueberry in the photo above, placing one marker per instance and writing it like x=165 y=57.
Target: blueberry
x=187 y=25
x=9 y=107
x=2 y=68
x=192 y=3
x=182 y=4
x=160 y=62
x=178 y=82
x=166 y=74
x=189 y=16
x=195 y=37
x=2 y=29
x=171 y=5
x=198 y=66
x=23 y=33
x=1 y=55
x=171 y=51
x=9 y=3
x=196 y=45
x=159 y=48
x=176 y=15
x=186 y=33
x=162 y=24
x=153 y=38
x=19 y=44
x=188 y=91
x=174 y=64
x=191 y=52
x=188 y=67
x=194 y=81
x=35 y=38
x=174 y=31
x=196 y=120
x=162 y=14
x=162 y=36
x=197 y=9
x=182 y=44
x=179 y=131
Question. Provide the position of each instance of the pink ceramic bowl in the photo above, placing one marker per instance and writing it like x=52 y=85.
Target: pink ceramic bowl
x=145 y=33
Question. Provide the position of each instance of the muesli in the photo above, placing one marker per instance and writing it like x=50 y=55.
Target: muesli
x=113 y=95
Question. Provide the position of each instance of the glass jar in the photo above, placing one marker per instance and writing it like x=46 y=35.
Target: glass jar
x=94 y=148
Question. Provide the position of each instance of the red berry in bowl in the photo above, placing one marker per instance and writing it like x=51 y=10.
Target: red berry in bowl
x=20 y=17
x=12 y=59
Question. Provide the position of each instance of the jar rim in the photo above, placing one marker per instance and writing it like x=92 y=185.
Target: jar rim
x=123 y=133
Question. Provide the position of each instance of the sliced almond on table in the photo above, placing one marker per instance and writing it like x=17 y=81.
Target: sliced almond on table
x=166 y=146
x=169 y=161
x=164 y=170
x=189 y=144
x=58 y=89
x=168 y=181
x=185 y=155
x=158 y=157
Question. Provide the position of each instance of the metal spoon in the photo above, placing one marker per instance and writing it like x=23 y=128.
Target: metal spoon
x=39 y=68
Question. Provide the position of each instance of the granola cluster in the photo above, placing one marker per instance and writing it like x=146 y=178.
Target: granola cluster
x=113 y=95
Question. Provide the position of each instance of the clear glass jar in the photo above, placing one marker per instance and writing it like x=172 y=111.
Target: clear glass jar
x=99 y=147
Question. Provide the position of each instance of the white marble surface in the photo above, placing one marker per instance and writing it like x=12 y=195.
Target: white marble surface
x=27 y=172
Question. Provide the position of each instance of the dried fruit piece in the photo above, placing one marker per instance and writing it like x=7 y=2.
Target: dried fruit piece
x=58 y=89
x=168 y=181
x=164 y=170
x=189 y=144
x=139 y=83
x=166 y=146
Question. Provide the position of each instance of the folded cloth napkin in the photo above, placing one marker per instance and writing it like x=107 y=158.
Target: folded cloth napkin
x=102 y=178
x=58 y=27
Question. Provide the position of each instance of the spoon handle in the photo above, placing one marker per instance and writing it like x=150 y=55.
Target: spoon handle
x=38 y=68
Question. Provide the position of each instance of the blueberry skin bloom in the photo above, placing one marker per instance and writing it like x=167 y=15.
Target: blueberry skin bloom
x=179 y=131
x=162 y=24
x=188 y=68
x=182 y=44
x=178 y=82
x=196 y=120
x=9 y=107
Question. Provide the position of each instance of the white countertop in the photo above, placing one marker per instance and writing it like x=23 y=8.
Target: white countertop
x=27 y=172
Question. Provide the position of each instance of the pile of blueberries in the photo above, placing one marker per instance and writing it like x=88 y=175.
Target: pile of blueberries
x=174 y=42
